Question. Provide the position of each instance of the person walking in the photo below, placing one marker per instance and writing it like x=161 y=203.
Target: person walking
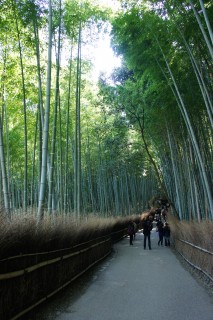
x=130 y=232
x=166 y=234
x=135 y=229
x=159 y=229
x=147 y=228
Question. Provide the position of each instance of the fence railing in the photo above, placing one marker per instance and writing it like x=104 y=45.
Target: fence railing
x=30 y=279
x=199 y=258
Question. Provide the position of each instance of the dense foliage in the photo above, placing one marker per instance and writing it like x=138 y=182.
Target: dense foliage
x=167 y=49
x=60 y=149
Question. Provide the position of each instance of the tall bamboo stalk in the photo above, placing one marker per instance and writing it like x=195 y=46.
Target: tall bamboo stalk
x=25 y=200
x=207 y=20
x=77 y=188
x=67 y=134
x=51 y=182
x=202 y=30
x=46 y=122
x=4 y=174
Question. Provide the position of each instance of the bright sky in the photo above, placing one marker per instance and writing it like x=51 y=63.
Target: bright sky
x=103 y=57
x=99 y=52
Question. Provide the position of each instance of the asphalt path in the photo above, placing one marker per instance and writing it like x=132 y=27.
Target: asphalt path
x=132 y=284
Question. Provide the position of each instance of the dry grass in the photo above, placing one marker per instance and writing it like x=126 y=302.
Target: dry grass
x=198 y=233
x=21 y=235
x=146 y=214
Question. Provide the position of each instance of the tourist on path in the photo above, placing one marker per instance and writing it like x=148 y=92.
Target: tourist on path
x=135 y=229
x=130 y=232
x=166 y=234
x=147 y=228
x=159 y=229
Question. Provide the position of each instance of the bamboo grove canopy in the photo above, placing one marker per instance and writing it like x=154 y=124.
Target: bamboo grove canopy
x=73 y=147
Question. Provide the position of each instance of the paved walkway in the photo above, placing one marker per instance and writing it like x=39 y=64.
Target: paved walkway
x=133 y=284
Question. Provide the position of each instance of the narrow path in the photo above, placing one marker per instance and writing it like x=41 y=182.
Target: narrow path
x=133 y=284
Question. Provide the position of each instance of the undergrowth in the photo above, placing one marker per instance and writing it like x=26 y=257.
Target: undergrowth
x=22 y=234
x=198 y=233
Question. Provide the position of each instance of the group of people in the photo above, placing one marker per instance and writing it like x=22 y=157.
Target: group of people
x=163 y=230
x=161 y=211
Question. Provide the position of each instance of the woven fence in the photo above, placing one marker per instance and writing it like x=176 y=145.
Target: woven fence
x=28 y=280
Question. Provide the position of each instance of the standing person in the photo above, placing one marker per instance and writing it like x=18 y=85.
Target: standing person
x=135 y=229
x=159 y=226
x=130 y=232
x=166 y=234
x=157 y=213
x=147 y=227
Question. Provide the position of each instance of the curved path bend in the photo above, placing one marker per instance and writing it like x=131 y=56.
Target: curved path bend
x=132 y=284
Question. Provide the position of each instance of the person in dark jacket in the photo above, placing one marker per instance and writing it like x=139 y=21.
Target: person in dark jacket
x=166 y=234
x=130 y=232
x=135 y=229
x=159 y=226
x=147 y=228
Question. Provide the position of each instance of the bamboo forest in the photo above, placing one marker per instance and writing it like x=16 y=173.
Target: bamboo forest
x=106 y=123
x=71 y=146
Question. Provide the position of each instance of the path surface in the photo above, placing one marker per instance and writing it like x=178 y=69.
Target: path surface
x=132 y=284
